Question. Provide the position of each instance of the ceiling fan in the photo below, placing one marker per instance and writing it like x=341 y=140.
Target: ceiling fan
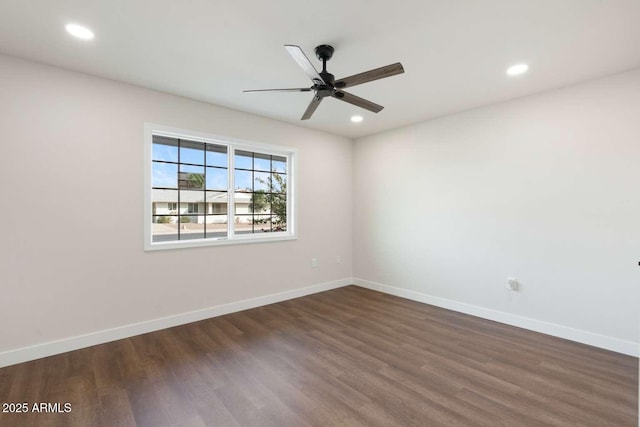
x=324 y=83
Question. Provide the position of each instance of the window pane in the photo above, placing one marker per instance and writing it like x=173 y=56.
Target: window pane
x=164 y=148
x=216 y=155
x=279 y=164
x=191 y=152
x=243 y=180
x=216 y=202
x=164 y=175
x=243 y=224
x=279 y=206
x=243 y=160
x=279 y=223
x=279 y=183
x=191 y=177
x=163 y=201
x=260 y=213
x=191 y=227
x=260 y=202
x=216 y=226
x=262 y=181
x=262 y=162
x=216 y=179
x=261 y=223
x=194 y=197
x=190 y=168
x=242 y=204
x=164 y=228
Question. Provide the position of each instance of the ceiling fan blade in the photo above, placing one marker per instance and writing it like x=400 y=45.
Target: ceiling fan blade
x=368 y=76
x=311 y=108
x=301 y=89
x=357 y=101
x=304 y=63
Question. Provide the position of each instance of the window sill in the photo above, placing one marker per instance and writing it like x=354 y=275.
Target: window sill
x=200 y=243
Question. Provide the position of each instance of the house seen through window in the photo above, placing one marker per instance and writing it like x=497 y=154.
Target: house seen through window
x=210 y=191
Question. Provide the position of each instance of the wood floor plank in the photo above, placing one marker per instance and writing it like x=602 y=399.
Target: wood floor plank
x=345 y=357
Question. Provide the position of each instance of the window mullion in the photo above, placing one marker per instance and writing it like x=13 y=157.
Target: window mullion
x=230 y=192
x=204 y=188
x=179 y=189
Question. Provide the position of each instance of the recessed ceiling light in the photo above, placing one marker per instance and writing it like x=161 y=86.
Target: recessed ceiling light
x=79 y=31
x=517 y=69
x=356 y=119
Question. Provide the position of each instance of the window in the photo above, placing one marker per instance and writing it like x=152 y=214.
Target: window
x=218 y=208
x=205 y=190
x=260 y=192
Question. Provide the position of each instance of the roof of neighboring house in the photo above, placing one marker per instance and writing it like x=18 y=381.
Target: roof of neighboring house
x=169 y=196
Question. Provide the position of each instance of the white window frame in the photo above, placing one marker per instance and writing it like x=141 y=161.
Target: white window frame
x=232 y=145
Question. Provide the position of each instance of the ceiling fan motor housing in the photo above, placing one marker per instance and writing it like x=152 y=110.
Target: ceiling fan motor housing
x=327 y=77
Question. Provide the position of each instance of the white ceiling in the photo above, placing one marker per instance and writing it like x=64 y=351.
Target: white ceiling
x=455 y=52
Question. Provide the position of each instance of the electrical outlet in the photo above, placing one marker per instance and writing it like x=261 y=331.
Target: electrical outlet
x=314 y=262
x=338 y=259
x=512 y=284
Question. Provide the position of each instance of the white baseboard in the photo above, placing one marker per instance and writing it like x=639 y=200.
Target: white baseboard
x=51 y=348
x=602 y=341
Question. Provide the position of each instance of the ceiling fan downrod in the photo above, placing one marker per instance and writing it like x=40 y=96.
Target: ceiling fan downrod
x=324 y=52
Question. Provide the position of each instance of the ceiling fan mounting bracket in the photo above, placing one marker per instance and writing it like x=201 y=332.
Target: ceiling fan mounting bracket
x=324 y=52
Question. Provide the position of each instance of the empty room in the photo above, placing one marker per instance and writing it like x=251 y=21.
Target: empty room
x=350 y=213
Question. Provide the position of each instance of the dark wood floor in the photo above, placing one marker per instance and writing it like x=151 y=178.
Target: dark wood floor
x=345 y=357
